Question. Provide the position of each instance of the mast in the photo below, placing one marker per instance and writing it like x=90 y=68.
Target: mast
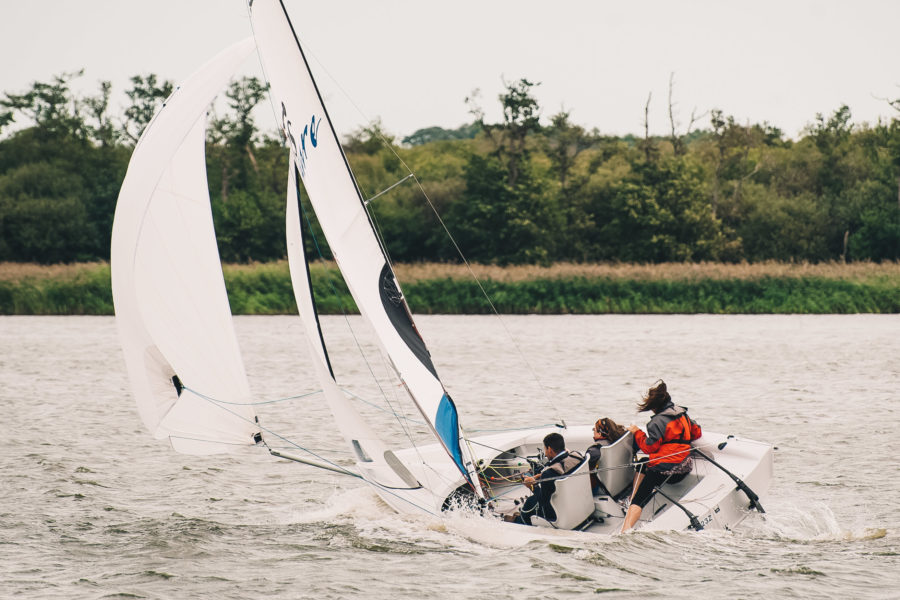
x=347 y=225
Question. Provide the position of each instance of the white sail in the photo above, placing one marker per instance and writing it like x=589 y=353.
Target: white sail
x=346 y=224
x=374 y=460
x=169 y=293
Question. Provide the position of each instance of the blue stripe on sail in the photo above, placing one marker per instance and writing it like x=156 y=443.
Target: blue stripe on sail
x=446 y=423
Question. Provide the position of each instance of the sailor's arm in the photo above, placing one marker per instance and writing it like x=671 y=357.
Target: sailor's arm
x=530 y=480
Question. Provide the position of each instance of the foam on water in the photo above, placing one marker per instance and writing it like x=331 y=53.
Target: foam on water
x=814 y=522
x=93 y=507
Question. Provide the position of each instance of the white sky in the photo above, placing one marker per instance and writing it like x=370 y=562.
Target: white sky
x=413 y=62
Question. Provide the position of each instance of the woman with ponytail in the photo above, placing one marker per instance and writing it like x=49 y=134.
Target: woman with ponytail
x=668 y=445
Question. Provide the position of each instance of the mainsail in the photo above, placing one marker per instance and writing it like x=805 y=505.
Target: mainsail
x=375 y=461
x=169 y=293
x=341 y=211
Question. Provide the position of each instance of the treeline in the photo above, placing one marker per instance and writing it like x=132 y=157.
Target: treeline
x=528 y=189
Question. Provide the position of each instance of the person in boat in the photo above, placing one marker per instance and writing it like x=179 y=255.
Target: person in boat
x=561 y=462
x=667 y=444
x=606 y=432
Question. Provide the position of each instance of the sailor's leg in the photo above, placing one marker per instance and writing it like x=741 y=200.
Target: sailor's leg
x=638 y=478
x=529 y=508
x=646 y=482
x=631 y=517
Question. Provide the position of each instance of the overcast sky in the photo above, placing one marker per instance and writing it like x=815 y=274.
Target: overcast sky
x=413 y=62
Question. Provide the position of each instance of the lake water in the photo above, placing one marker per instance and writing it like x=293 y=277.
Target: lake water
x=92 y=507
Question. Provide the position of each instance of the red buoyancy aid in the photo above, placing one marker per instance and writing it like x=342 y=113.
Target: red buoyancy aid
x=669 y=436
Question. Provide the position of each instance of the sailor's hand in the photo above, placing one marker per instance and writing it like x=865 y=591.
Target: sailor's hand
x=528 y=482
x=632 y=428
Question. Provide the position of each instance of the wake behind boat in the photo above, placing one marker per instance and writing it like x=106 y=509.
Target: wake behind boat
x=187 y=373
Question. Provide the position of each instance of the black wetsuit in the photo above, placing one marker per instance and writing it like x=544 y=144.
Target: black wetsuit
x=538 y=503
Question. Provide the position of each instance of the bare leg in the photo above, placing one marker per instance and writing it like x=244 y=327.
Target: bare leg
x=631 y=517
x=634 y=511
x=638 y=478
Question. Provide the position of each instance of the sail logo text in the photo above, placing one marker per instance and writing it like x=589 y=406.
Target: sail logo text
x=310 y=132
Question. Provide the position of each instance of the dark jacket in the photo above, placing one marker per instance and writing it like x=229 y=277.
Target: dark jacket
x=593 y=458
x=563 y=463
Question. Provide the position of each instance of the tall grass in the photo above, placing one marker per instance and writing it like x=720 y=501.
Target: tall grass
x=265 y=289
x=567 y=288
x=857 y=271
x=579 y=295
x=55 y=290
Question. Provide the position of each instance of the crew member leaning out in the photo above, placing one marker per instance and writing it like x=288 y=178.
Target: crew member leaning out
x=668 y=445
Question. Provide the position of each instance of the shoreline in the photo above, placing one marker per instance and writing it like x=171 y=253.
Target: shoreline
x=430 y=288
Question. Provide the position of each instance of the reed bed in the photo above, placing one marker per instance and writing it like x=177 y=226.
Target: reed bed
x=857 y=271
x=81 y=289
x=558 y=289
x=12 y=272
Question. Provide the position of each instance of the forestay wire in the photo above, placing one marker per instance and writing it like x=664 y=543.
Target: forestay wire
x=544 y=392
x=401 y=419
x=311 y=452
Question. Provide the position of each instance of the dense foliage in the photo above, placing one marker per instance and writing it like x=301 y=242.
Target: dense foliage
x=528 y=189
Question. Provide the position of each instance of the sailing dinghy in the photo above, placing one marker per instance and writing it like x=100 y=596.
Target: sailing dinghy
x=188 y=376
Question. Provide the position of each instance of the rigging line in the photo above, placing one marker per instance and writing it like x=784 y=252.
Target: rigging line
x=415 y=446
x=257 y=403
x=546 y=426
x=386 y=190
x=512 y=338
x=496 y=449
x=362 y=354
x=441 y=477
x=375 y=406
x=377 y=228
x=267 y=430
x=365 y=358
x=309 y=50
x=459 y=251
x=322 y=458
x=349 y=325
x=245 y=444
x=193 y=439
x=484 y=293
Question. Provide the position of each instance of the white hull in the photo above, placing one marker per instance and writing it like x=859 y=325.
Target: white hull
x=708 y=493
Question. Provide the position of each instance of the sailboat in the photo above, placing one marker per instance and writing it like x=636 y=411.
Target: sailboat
x=186 y=369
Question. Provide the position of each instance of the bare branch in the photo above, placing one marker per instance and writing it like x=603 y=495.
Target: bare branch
x=671 y=111
x=694 y=118
x=646 y=117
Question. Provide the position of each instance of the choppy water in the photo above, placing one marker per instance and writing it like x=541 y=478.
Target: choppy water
x=92 y=507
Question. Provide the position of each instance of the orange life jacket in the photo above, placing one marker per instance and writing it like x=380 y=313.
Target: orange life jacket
x=669 y=436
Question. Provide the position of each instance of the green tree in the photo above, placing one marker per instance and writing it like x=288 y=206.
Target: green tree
x=50 y=107
x=437 y=134
x=146 y=96
x=496 y=222
x=60 y=176
x=103 y=130
x=232 y=136
x=660 y=213
x=43 y=217
x=504 y=195
x=521 y=118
